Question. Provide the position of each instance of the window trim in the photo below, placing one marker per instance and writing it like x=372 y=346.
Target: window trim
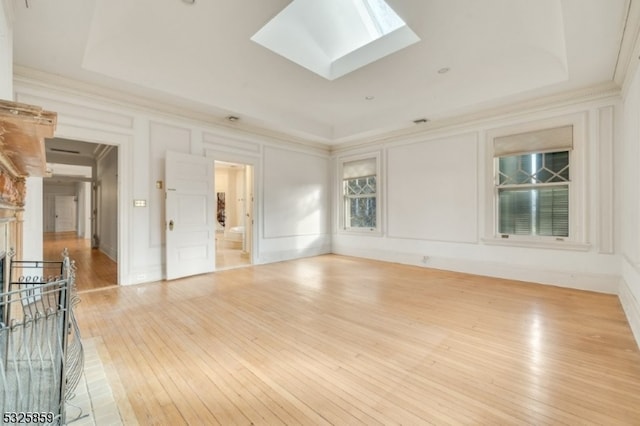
x=342 y=226
x=578 y=236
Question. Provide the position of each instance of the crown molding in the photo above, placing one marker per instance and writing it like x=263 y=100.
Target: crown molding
x=479 y=115
x=474 y=116
x=627 y=63
x=66 y=86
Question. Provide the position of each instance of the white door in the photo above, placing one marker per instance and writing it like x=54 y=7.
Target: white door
x=65 y=208
x=49 y=213
x=190 y=215
x=248 y=203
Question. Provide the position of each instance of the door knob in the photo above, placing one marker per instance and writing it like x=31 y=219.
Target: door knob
x=171 y=225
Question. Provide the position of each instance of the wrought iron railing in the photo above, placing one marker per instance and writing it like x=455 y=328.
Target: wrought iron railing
x=41 y=352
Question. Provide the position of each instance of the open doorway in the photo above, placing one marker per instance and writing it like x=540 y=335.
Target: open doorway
x=80 y=208
x=234 y=214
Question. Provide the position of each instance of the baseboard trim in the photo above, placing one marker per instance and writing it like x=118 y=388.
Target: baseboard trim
x=110 y=252
x=149 y=275
x=601 y=283
x=631 y=307
x=283 y=255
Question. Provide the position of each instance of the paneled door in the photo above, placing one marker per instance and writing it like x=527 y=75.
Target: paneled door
x=189 y=215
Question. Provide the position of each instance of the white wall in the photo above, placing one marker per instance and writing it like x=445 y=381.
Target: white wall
x=107 y=182
x=234 y=196
x=222 y=179
x=239 y=201
x=436 y=205
x=433 y=190
x=628 y=202
x=291 y=198
x=84 y=209
x=143 y=136
x=231 y=182
x=296 y=191
x=6 y=49
x=32 y=248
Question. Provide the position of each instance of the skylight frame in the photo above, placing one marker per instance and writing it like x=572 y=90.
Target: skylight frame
x=376 y=9
x=296 y=34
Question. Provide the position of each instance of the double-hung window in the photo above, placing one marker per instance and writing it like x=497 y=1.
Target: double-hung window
x=360 y=194
x=533 y=184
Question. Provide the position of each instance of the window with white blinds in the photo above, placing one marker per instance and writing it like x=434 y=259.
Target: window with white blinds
x=360 y=194
x=533 y=182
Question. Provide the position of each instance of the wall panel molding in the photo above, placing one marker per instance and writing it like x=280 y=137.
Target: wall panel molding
x=230 y=144
x=432 y=190
x=296 y=195
x=604 y=180
x=81 y=132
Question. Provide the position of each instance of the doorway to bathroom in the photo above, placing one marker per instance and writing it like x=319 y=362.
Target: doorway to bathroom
x=234 y=183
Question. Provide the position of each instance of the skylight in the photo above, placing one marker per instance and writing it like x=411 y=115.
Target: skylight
x=335 y=37
x=377 y=13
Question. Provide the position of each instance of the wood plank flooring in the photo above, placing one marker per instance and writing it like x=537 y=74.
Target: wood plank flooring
x=95 y=269
x=230 y=257
x=340 y=340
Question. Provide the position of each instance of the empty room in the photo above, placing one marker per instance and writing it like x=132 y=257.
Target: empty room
x=336 y=212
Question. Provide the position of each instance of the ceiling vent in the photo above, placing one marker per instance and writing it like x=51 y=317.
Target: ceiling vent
x=66 y=151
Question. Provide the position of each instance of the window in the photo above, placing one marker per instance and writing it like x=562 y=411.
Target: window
x=533 y=194
x=533 y=187
x=360 y=194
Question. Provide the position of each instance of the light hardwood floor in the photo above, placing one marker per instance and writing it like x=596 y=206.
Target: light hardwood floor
x=231 y=258
x=340 y=340
x=228 y=256
x=95 y=269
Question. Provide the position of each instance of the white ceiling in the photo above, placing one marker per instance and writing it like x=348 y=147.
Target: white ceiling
x=200 y=57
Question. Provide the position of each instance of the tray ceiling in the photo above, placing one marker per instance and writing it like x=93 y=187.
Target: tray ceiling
x=471 y=55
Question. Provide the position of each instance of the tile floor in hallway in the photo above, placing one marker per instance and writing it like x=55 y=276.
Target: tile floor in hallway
x=94 y=403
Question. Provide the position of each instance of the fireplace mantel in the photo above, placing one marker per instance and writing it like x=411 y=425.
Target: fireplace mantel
x=22 y=131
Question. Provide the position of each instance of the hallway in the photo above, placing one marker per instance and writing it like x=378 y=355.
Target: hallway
x=95 y=269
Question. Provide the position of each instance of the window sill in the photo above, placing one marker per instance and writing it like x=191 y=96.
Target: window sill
x=554 y=245
x=361 y=232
